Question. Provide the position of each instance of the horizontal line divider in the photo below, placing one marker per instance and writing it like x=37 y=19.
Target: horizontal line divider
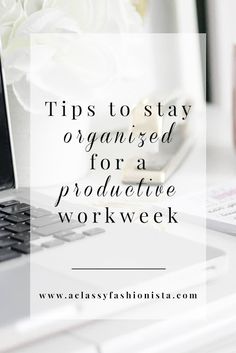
x=118 y=269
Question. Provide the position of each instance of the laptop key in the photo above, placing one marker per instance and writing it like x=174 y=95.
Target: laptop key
x=14 y=209
x=4 y=233
x=74 y=237
x=9 y=203
x=44 y=221
x=2 y=215
x=63 y=233
x=94 y=231
x=4 y=223
x=24 y=237
x=37 y=212
x=52 y=243
x=18 y=218
x=26 y=248
x=70 y=237
x=18 y=228
x=56 y=227
x=6 y=243
x=8 y=255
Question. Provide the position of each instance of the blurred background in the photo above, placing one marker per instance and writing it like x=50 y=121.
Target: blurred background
x=216 y=19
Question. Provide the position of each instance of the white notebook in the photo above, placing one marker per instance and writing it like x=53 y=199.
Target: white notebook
x=217 y=205
x=221 y=208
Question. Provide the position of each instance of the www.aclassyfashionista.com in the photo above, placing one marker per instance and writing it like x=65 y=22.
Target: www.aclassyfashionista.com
x=133 y=295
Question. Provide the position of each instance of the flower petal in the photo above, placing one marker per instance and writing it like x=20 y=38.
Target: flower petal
x=46 y=20
x=11 y=13
x=30 y=6
x=23 y=89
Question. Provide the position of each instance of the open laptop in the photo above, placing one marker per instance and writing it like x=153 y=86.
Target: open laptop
x=31 y=231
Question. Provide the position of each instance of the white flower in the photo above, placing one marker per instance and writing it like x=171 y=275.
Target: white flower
x=30 y=6
x=11 y=12
x=100 y=16
x=20 y=18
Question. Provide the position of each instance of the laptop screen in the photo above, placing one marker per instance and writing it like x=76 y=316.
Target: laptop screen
x=6 y=163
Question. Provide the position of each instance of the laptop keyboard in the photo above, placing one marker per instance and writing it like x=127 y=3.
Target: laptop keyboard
x=25 y=229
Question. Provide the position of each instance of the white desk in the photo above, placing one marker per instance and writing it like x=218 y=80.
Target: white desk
x=221 y=167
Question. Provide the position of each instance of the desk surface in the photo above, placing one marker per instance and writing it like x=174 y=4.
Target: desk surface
x=221 y=167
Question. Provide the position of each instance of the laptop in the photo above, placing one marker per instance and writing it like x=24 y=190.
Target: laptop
x=32 y=246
